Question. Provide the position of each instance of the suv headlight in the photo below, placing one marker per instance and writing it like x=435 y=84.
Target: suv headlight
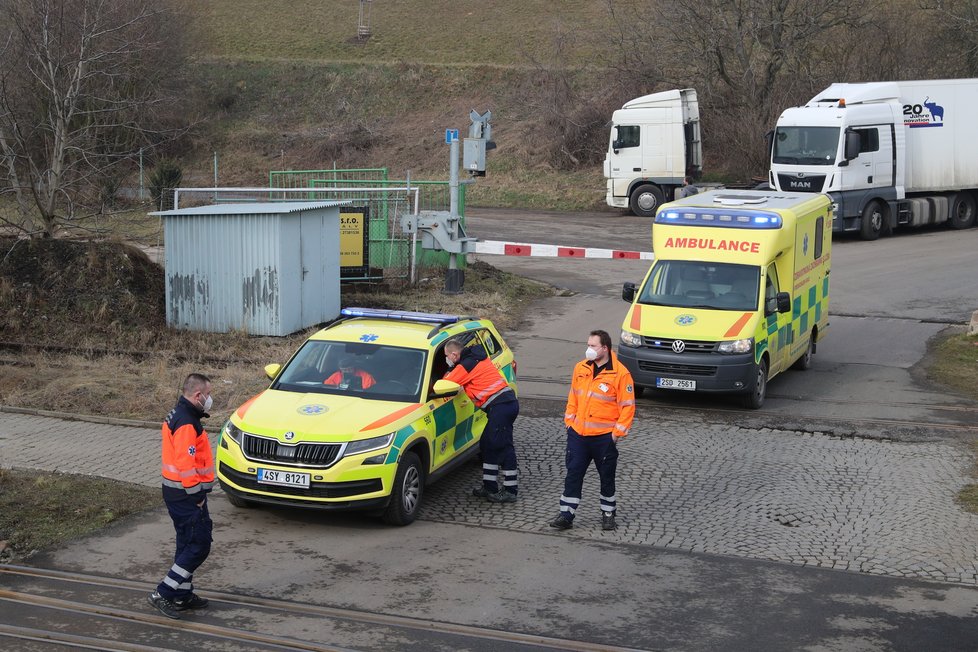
x=630 y=339
x=367 y=445
x=233 y=432
x=737 y=346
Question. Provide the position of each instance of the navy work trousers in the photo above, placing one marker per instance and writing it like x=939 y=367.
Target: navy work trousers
x=496 y=446
x=581 y=451
x=194 y=527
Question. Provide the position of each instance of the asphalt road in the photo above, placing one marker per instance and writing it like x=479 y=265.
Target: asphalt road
x=889 y=298
x=498 y=567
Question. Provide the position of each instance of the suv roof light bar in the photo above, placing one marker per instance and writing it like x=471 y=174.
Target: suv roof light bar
x=402 y=315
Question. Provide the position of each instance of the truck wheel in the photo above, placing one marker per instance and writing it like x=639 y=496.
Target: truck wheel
x=407 y=491
x=873 y=220
x=755 y=397
x=805 y=362
x=645 y=199
x=963 y=211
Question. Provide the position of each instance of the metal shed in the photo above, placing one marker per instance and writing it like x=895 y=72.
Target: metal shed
x=264 y=268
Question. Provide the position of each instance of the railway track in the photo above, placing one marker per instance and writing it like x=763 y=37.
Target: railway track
x=53 y=609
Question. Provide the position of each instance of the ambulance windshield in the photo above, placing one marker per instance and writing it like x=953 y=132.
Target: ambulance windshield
x=695 y=284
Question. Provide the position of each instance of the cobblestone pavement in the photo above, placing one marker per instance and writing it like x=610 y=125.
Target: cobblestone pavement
x=879 y=507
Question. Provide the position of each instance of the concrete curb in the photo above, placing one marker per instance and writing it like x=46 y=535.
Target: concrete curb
x=112 y=421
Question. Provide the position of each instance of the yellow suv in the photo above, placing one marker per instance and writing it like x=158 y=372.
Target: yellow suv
x=359 y=417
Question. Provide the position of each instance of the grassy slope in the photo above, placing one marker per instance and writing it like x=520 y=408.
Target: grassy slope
x=429 y=31
x=293 y=90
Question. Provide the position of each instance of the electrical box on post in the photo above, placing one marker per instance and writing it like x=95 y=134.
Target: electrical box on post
x=474 y=156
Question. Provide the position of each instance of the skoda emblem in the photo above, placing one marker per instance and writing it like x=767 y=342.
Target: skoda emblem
x=678 y=346
x=289 y=436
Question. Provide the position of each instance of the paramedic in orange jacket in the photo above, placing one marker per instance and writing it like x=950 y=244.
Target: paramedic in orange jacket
x=350 y=377
x=188 y=475
x=485 y=385
x=600 y=410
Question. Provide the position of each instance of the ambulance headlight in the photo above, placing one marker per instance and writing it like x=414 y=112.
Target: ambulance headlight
x=630 y=339
x=366 y=445
x=737 y=346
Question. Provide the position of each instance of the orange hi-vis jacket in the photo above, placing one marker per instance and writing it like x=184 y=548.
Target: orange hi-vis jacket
x=188 y=463
x=600 y=404
x=477 y=375
x=366 y=380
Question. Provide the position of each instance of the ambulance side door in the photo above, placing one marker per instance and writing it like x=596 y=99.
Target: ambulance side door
x=778 y=324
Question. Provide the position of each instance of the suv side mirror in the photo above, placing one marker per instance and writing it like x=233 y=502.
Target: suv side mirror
x=272 y=370
x=628 y=291
x=445 y=388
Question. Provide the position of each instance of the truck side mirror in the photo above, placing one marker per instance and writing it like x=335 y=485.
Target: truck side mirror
x=853 y=144
x=769 y=141
x=628 y=291
x=616 y=145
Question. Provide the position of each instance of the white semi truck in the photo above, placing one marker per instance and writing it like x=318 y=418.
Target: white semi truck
x=889 y=154
x=655 y=142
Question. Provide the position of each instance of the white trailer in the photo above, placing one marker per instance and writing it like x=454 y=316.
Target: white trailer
x=889 y=154
x=655 y=142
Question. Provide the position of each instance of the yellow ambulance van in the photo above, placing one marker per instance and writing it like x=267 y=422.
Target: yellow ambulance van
x=738 y=292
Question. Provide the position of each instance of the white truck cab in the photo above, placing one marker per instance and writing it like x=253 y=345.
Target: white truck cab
x=655 y=142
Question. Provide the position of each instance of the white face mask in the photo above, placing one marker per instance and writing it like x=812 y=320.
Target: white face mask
x=451 y=363
x=208 y=403
x=590 y=353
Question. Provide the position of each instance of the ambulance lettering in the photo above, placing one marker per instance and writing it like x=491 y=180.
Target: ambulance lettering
x=745 y=246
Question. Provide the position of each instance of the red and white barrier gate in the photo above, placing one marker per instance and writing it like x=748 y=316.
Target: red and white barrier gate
x=499 y=248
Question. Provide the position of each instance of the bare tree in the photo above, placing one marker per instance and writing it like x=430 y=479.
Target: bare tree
x=954 y=35
x=749 y=59
x=83 y=85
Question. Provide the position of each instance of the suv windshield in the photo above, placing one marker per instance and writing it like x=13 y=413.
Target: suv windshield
x=806 y=145
x=368 y=371
x=689 y=284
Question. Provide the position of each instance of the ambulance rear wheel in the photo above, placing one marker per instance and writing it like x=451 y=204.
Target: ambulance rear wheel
x=874 y=219
x=407 y=492
x=754 y=398
x=645 y=199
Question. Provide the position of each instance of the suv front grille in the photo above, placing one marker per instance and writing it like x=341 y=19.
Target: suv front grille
x=265 y=449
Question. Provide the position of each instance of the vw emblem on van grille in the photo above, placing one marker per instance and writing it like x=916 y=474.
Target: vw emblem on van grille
x=289 y=436
x=678 y=346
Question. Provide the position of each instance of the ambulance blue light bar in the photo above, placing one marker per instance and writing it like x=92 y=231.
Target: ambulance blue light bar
x=402 y=315
x=721 y=218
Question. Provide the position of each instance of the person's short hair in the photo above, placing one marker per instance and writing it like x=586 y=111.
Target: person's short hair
x=603 y=335
x=194 y=382
x=454 y=345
